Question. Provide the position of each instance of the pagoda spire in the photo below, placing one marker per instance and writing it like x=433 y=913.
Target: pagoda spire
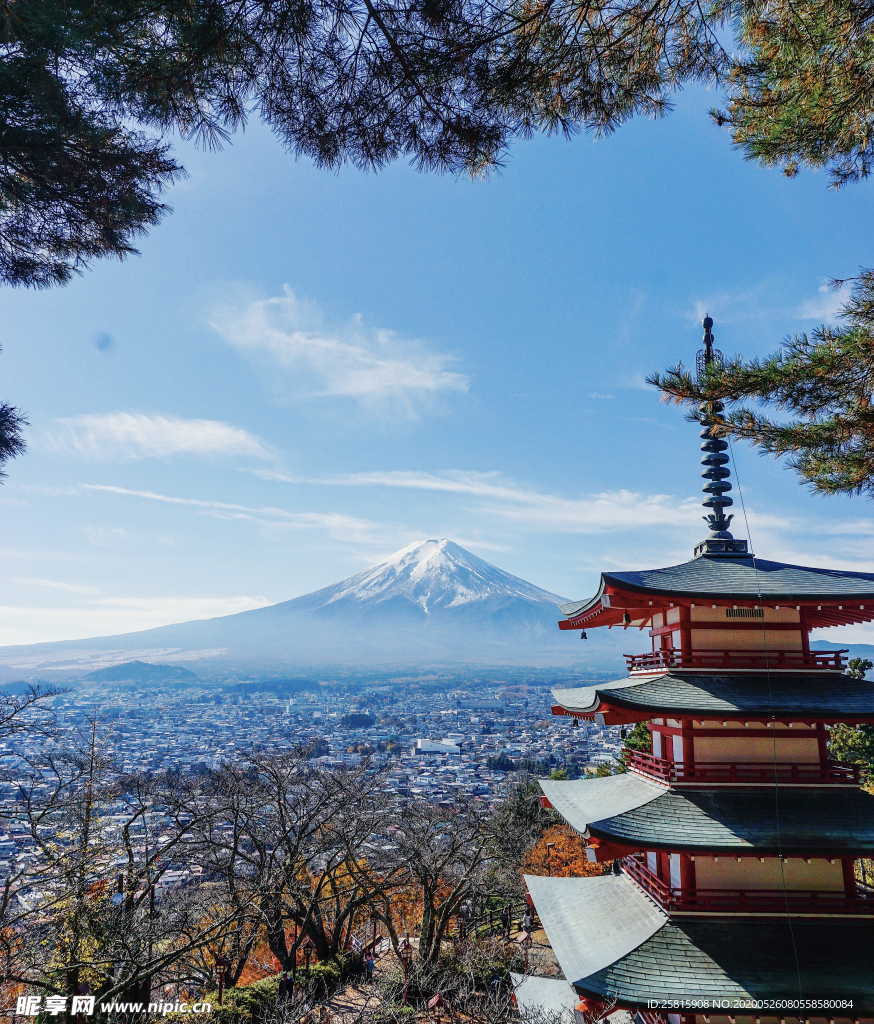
x=716 y=474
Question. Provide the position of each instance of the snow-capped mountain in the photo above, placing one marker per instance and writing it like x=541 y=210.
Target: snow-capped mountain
x=432 y=602
x=430 y=575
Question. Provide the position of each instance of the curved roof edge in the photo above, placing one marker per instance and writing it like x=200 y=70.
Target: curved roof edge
x=582 y=802
x=745 y=578
x=837 y=697
x=593 y=922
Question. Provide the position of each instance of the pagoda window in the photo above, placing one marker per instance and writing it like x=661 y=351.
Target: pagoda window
x=656 y=743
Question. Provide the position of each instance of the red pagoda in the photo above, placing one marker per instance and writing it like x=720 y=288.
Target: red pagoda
x=736 y=887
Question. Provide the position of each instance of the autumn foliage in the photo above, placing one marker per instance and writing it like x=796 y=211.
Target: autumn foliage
x=561 y=853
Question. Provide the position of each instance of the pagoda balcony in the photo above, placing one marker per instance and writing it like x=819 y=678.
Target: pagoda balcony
x=837 y=773
x=658 y=661
x=687 y=900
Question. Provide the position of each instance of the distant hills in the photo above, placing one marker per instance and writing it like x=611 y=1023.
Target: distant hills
x=433 y=602
x=142 y=672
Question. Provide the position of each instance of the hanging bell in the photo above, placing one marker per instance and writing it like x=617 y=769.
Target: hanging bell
x=584 y=635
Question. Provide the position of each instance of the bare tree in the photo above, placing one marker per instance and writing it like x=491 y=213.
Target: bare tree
x=90 y=909
x=289 y=844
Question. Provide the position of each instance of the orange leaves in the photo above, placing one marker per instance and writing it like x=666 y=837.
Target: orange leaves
x=561 y=853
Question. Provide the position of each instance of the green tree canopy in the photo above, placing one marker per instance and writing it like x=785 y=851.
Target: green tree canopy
x=822 y=381
x=854 y=743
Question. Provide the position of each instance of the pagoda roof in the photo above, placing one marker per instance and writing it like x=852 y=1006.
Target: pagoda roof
x=802 y=695
x=726 y=958
x=593 y=922
x=553 y=997
x=633 y=812
x=742 y=578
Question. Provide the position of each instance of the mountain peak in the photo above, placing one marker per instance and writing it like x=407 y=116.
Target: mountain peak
x=432 y=601
x=432 y=574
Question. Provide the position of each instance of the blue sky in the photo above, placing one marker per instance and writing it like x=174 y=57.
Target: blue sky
x=304 y=371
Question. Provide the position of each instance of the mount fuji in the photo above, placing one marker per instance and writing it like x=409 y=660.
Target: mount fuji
x=433 y=602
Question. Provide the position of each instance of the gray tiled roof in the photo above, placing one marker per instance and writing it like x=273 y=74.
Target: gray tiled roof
x=593 y=922
x=582 y=801
x=814 y=693
x=742 y=578
x=817 y=819
x=629 y=809
x=611 y=940
x=732 y=959
x=552 y=998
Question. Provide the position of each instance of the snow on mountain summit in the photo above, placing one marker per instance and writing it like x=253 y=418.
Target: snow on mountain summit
x=432 y=602
x=434 y=574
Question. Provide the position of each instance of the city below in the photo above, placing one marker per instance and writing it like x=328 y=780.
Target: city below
x=432 y=736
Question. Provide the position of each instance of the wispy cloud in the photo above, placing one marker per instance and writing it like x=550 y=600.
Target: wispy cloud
x=64 y=587
x=593 y=513
x=738 y=306
x=339 y=526
x=21 y=624
x=356 y=360
x=136 y=435
x=826 y=304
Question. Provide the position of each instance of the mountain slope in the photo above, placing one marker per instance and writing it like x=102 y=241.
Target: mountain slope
x=430 y=602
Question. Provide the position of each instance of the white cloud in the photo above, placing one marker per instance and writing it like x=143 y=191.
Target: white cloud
x=106 y=616
x=371 y=365
x=826 y=304
x=728 y=307
x=339 y=526
x=67 y=588
x=134 y=435
x=594 y=513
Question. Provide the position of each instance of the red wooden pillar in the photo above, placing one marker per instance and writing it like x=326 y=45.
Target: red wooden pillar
x=805 y=633
x=689 y=746
x=686 y=633
x=687 y=872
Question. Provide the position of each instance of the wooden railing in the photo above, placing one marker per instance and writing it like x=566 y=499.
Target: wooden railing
x=750 y=901
x=713 y=659
x=827 y=773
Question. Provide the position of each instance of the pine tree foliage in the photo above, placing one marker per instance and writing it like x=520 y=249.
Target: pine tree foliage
x=88 y=92
x=822 y=381
x=12 y=443
x=803 y=90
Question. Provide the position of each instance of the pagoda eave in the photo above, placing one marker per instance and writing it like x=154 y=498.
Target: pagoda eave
x=619 y=602
x=613 y=943
x=751 y=697
x=633 y=813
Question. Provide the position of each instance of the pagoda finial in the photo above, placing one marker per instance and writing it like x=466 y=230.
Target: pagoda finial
x=715 y=462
